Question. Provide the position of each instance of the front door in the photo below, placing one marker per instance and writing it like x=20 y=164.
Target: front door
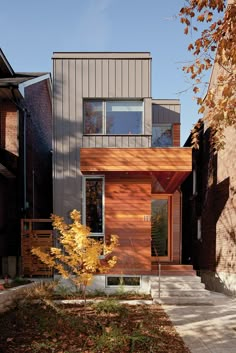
x=160 y=226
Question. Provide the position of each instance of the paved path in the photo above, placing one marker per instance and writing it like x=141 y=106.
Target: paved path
x=206 y=329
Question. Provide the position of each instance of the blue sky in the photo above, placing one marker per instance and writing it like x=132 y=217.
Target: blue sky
x=31 y=30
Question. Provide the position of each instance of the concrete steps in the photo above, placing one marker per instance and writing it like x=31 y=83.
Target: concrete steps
x=180 y=290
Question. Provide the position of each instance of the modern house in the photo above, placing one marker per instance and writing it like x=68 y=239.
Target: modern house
x=25 y=157
x=117 y=157
x=209 y=210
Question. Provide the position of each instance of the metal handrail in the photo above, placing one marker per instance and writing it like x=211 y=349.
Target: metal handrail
x=159 y=269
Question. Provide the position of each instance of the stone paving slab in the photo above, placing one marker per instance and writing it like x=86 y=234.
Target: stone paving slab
x=206 y=329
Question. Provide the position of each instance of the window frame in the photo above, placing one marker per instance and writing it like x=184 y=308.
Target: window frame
x=167 y=197
x=87 y=177
x=104 y=118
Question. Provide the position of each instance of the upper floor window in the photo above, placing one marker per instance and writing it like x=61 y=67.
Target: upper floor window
x=162 y=135
x=113 y=117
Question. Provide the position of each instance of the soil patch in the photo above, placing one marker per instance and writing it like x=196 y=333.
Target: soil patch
x=106 y=327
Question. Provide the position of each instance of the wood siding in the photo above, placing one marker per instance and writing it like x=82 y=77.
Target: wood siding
x=77 y=76
x=127 y=202
x=152 y=159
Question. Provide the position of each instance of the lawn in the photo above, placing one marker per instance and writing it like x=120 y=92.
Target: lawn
x=107 y=326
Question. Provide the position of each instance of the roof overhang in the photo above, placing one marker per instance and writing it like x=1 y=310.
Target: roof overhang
x=168 y=167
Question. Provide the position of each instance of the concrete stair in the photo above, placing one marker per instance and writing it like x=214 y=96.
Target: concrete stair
x=180 y=290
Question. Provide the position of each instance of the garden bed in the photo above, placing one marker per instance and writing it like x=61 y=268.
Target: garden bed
x=106 y=327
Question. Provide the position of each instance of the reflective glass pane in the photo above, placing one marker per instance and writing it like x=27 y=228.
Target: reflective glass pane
x=93 y=117
x=162 y=135
x=160 y=227
x=124 y=117
x=94 y=206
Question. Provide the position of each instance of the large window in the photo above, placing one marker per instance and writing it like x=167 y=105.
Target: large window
x=93 y=206
x=113 y=117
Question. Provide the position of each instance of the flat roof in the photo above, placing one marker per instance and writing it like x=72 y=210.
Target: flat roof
x=101 y=55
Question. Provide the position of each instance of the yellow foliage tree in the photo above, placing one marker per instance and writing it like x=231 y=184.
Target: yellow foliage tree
x=78 y=255
x=215 y=47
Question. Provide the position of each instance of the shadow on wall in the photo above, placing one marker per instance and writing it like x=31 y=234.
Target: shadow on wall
x=219 y=282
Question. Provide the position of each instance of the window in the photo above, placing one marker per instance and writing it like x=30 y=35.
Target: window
x=123 y=280
x=162 y=135
x=160 y=226
x=94 y=205
x=113 y=117
x=199 y=229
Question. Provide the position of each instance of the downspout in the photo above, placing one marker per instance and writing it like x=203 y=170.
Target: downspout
x=24 y=160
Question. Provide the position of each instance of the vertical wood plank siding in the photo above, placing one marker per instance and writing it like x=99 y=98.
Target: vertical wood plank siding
x=126 y=203
x=79 y=76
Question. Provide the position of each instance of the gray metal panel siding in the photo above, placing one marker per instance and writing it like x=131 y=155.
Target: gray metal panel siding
x=118 y=78
x=116 y=141
x=98 y=78
x=74 y=79
x=165 y=113
x=148 y=116
x=112 y=79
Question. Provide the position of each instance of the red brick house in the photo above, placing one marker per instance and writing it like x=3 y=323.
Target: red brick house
x=209 y=210
x=25 y=156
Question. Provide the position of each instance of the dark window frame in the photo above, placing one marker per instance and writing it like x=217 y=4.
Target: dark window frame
x=104 y=117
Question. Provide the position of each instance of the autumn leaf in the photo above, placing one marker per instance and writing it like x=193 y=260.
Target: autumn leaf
x=214 y=48
x=201 y=18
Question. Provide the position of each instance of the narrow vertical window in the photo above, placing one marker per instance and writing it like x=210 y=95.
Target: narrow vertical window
x=94 y=208
x=199 y=229
x=160 y=226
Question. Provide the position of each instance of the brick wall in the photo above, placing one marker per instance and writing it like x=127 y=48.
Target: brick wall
x=9 y=127
x=216 y=204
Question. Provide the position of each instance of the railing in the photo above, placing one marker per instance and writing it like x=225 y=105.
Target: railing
x=159 y=268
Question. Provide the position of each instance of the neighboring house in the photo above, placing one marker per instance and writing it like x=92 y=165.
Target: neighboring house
x=25 y=156
x=209 y=210
x=117 y=156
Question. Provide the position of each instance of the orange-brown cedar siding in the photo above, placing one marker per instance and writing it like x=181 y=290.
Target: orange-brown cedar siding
x=136 y=159
x=126 y=204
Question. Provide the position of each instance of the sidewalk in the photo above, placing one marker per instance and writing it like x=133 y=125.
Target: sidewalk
x=206 y=329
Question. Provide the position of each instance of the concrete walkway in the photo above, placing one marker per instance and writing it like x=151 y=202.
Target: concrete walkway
x=206 y=328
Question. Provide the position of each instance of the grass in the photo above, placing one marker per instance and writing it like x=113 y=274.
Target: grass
x=108 y=326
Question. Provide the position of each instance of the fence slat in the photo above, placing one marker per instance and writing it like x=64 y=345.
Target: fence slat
x=32 y=237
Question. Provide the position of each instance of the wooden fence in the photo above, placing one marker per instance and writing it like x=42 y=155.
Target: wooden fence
x=35 y=233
